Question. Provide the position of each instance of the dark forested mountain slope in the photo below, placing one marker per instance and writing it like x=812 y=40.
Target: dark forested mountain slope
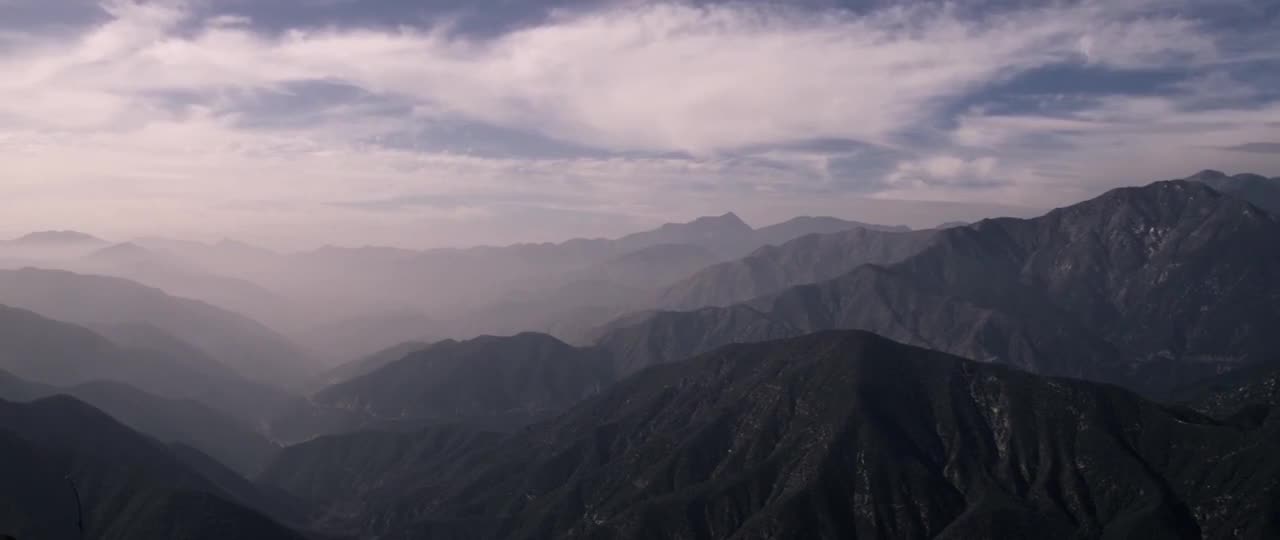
x=807 y=259
x=1149 y=286
x=236 y=341
x=350 y=478
x=131 y=487
x=831 y=435
x=492 y=382
x=1249 y=394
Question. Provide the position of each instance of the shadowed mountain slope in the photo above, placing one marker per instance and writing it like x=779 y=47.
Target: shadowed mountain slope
x=831 y=435
x=131 y=487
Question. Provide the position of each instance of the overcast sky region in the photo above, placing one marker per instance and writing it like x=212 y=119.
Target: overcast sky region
x=427 y=123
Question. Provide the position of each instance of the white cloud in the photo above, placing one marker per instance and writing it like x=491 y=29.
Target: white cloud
x=91 y=118
x=655 y=77
x=943 y=169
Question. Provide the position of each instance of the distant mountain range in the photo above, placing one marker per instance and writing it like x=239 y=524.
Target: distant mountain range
x=807 y=259
x=1261 y=191
x=832 y=435
x=316 y=296
x=1134 y=287
x=48 y=352
x=1138 y=286
x=245 y=346
x=57 y=238
x=486 y=277
x=183 y=278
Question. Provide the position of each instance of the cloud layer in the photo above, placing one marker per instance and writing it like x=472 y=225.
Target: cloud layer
x=194 y=116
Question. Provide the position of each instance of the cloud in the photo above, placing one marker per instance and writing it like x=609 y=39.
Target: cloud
x=647 y=111
x=944 y=170
x=653 y=77
x=1255 y=148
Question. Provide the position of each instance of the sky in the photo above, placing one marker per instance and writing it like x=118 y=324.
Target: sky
x=452 y=122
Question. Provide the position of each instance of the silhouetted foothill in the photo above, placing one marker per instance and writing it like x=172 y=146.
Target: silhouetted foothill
x=130 y=486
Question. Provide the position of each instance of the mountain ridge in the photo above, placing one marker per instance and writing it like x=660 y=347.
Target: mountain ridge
x=1136 y=281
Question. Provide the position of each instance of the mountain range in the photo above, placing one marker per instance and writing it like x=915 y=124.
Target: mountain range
x=1105 y=370
x=1151 y=287
x=57 y=238
x=1261 y=191
x=57 y=354
x=831 y=435
x=311 y=296
x=237 y=342
x=807 y=259
x=1134 y=287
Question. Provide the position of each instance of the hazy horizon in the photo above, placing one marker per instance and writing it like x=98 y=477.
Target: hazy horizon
x=300 y=123
x=913 y=214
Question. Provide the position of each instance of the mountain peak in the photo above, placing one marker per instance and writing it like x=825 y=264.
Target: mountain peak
x=121 y=250
x=728 y=220
x=60 y=238
x=1207 y=174
x=233 y=244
